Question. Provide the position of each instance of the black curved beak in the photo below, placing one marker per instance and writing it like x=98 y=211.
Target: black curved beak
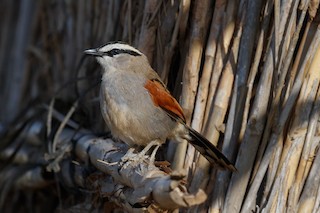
x=93 y=52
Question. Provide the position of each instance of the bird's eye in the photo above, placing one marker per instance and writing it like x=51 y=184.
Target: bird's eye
x=114 y=52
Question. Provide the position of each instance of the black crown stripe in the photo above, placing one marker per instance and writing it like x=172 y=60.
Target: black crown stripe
x=114 y=52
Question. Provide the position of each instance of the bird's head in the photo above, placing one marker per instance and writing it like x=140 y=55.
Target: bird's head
x=117 y=55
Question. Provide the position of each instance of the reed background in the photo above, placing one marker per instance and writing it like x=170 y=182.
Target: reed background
x=245 y=72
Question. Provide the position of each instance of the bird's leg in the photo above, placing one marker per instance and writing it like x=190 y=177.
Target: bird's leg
x=154 y=152
x=148 y=147
x=141 y=156
x=128 y=156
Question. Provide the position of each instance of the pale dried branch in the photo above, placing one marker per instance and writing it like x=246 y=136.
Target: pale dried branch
x=138 y=182
x=135 y=182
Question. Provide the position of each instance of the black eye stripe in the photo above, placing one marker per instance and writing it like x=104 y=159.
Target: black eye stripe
x=114 y=52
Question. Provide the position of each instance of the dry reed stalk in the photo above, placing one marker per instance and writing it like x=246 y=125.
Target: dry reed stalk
x=313 y=7
x=307 y=157
x=288 y=45
x=277 y=12
x=310 y=148
x=219 y=108
x=129 y=21
x=247 y=42
x=250 y=143
x=299 y=56
x=284 y=66
x=203 y=87
x=191 y=69
x=223 y=94
x=292 y=183
x=287 y=144
x=305 y=161
x=255 y=127
x=282 y=70
x=249 y=203
x=274 y=111
x=178 y=152
x=222 y=98
x=310 y=194
x=185 y=8
x=273 y=166
x=210 y=52
x=255 y=65
x=167 y=37
x=223 y=47
x=214 y=121
x=13 y=85
x=295 y=141
x=234 y=123
x=200 y=17
x=147 y=38
x=222 y=180
x=277 y=205
x=5 y=44
x=237 y=104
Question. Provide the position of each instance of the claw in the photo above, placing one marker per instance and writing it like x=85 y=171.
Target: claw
x=133 y=159
x=153 y=154
x=151 y=144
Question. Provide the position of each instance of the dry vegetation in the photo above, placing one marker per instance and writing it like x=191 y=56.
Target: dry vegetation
x=246 y=73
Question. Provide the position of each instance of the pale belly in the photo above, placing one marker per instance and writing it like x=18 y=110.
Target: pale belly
x=131 y=116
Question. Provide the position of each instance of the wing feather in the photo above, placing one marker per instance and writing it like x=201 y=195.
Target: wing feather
x=161 y=97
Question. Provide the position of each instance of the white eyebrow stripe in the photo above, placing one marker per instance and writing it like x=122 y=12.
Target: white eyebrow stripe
x=121 y=46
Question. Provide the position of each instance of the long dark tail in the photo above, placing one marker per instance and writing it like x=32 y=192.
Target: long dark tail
x=205 y=147
x=209 y=151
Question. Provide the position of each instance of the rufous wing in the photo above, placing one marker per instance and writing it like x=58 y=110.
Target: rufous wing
x=161 y=97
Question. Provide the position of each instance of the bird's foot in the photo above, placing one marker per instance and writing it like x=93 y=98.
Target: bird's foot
x=134 y=159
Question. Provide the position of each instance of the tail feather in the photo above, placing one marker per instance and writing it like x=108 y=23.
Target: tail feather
x=209 y=151
x=205 y=147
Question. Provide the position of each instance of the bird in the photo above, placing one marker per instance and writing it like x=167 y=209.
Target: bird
x=138 y=108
